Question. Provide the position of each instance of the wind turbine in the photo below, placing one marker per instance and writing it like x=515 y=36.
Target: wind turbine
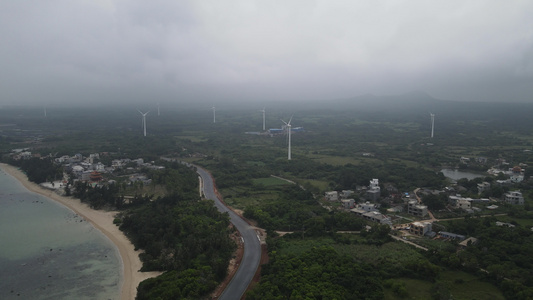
x=288 y=126
x=45 y=111
x=432 y=123
x=263 y=111
x=214 y=119
x=157 y=108
x=143 y=120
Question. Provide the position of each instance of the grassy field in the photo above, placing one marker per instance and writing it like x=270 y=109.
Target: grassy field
x=522 y=222
x=461 y=286
x=465 y=286
x=270 y=181
x=395 y=253
x=391 y=252
x=409 y=163
x=416 y=289
x=322 y=185
x=241 y=197
x=334 y=160
x=341 y=160
x=255 y=163
x=192 y=138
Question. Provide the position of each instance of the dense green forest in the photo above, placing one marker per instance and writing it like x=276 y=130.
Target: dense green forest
x=320 y=273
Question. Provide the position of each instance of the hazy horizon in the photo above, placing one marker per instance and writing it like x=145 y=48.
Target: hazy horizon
x=79 y=52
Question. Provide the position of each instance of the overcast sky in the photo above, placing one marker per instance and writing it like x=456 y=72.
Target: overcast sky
x=137 y=50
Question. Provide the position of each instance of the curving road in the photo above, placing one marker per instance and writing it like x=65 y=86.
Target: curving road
x=252 y=247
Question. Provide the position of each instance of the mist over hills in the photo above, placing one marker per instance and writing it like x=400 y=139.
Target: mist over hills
x=415 y=105
x=419 y=101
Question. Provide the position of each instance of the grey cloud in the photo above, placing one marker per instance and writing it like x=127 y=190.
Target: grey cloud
x=213 y=50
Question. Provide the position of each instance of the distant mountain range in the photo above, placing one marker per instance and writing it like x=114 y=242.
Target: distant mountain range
x=422 y=102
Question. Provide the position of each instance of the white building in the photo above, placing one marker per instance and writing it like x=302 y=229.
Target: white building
x=463 y=203
x=374 y=191
x=99 y=167
x=374 y=184
x=331 y=196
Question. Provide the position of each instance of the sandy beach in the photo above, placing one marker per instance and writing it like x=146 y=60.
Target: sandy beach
x=103 y=221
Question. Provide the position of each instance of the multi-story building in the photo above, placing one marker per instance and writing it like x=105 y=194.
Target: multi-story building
x=463 y=203
x=348 y=203
x=345 y=194
x=514 y=197
x=376 y=216
x=416 y=209
x=374 y=191
x=420 y=228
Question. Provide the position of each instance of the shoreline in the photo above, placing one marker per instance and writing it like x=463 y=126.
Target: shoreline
x=102 y=221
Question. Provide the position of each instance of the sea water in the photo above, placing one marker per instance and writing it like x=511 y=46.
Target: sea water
x=49 y=252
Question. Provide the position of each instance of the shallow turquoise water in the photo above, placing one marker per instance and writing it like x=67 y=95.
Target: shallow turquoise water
x=49 y=252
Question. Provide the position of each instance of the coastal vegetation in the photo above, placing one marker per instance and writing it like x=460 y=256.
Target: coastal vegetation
x=180 y=234
x=39 y=170
x=184 y=236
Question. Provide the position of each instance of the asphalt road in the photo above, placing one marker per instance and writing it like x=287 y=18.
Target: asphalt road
x=252 y=245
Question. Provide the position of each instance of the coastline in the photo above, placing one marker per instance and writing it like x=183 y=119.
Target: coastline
x=102 y=221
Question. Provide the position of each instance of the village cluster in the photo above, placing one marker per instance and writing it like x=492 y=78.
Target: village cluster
x=408 y=204
x=411 y=207
x=91 y=169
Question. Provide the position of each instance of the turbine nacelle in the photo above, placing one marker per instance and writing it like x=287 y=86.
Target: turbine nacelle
x=287 y=123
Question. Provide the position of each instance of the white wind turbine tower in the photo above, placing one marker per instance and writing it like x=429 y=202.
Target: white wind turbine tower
x=432 y=123
x=214 y=119
x=157 y=108
x=263 y=111
x=45 y=111
x=143 y=120
x=288 y=126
